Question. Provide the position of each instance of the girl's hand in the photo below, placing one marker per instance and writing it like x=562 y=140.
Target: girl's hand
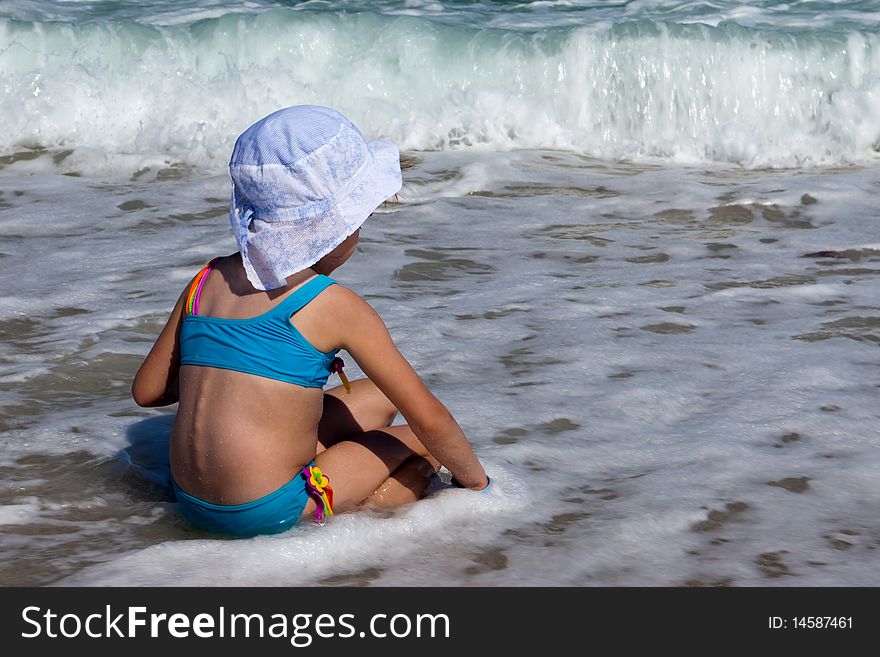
x=481 y=489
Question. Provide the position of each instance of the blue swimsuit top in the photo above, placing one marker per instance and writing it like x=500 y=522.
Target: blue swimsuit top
x=267 y=345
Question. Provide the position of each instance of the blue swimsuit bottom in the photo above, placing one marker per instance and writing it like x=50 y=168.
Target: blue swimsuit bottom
x=271 y=514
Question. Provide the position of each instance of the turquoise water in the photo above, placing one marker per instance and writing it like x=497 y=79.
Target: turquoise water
x=503 y=13
x=757 y=84
x=636 y=254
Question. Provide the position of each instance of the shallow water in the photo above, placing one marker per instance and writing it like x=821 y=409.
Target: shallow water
x=670 y=371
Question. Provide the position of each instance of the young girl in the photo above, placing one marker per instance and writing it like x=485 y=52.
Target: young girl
x=253 y=338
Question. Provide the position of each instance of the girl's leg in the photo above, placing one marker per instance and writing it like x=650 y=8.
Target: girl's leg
x=364 y=409
x=362 y=465
x=348 y=414
x=406 y=484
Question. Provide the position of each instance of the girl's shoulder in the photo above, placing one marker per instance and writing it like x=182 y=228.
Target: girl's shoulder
x=344 y=301
x=346 y=310
x=331 y=318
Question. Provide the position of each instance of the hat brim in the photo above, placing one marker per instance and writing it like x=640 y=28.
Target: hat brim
x=381 y=179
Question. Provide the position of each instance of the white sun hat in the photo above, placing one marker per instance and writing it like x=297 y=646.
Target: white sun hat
x=303 y=179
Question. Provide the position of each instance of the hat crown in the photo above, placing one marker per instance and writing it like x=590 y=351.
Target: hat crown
x=288 y=135
x=296 y=157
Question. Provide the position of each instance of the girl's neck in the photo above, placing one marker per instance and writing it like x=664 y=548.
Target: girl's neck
x=239 y=284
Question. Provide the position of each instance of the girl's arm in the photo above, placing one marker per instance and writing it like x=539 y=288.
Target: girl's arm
x=155 y=383
x=364 y=335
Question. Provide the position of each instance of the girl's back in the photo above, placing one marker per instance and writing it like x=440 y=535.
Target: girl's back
x=237 y=435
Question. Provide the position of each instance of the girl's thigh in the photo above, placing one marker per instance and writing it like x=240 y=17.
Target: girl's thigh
x=358 y=466
x=347 y=414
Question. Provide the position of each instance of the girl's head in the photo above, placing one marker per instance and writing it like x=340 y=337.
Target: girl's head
x=303 y=181
x=338 y=256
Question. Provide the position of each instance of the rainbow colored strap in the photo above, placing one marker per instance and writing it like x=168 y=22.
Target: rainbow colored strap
x=318 y=485
x=195 y=290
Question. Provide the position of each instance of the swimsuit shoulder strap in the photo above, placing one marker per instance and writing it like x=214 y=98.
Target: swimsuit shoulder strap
x=195 y=289
x=303 y=295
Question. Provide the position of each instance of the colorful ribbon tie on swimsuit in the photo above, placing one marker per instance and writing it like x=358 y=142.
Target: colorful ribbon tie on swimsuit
x=336 y=367
x=319 y=487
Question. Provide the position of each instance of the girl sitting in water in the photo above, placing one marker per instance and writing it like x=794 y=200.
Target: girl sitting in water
x=253 y=338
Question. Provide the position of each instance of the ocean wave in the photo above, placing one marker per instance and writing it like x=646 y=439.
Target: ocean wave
x=128 y=92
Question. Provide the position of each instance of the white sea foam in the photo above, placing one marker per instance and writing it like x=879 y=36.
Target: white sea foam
x=359 y=541
x=125 y=95
x=25 y=509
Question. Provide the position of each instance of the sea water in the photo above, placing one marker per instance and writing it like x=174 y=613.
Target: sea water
x=636 y=254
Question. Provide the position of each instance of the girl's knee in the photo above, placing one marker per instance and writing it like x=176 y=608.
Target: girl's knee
x=406 y=484
x=380 y=406
x=423 y=466
x=415 y=474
